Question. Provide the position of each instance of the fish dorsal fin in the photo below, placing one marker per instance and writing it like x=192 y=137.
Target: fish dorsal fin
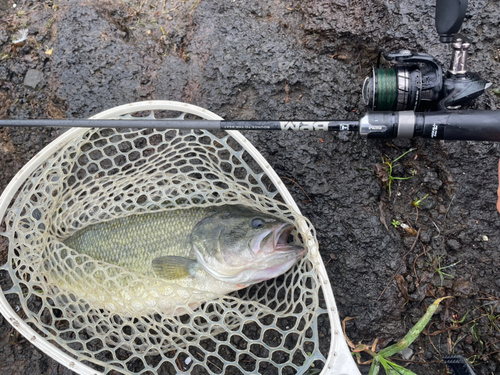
x=173 y=267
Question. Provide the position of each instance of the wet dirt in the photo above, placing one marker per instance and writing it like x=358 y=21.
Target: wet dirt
x=292 y=60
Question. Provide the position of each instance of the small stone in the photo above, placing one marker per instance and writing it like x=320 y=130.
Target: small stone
x=4 y=73
x=428 y=355
x=464 y=289
x=33 y=78
x=453 y=245
x=19 y=69
x=485 y=238
x=425 y=237
x=4 y=37
x=406 y=353
x=432 y=180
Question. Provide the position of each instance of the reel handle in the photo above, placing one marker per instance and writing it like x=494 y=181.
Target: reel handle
x=449 y=17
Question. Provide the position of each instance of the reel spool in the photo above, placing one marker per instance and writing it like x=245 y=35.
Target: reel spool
x=87 y=176
x=416 y=78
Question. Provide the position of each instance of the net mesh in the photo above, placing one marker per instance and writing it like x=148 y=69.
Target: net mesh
x=151 y=326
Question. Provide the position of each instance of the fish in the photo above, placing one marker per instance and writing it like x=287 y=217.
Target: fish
x=218 y=249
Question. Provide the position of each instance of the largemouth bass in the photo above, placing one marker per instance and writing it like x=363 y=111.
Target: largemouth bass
x=218 y=249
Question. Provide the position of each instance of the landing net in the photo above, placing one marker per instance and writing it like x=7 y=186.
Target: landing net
x=115 y=321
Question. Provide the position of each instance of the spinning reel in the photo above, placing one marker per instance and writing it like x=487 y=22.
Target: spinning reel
x=416 y=80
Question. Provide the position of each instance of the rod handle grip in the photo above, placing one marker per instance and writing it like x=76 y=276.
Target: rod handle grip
x=469 y=125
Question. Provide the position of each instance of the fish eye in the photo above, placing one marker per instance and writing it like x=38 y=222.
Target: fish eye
x=257 y=223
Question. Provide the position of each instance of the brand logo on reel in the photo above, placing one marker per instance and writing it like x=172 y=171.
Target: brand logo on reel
x=308 y=126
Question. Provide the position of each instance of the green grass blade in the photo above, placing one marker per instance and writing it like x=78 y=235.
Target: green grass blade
x=400 y=156
x=394 y=369
x=375 y=367
x=401 y=178
x=414 y=332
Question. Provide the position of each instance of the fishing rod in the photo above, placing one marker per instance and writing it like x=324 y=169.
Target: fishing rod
x=410 y=98
x=446 y=125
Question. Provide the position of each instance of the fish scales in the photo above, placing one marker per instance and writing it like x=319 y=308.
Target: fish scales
x=133 y=242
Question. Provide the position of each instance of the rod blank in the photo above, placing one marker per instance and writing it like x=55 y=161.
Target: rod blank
x=332 y=125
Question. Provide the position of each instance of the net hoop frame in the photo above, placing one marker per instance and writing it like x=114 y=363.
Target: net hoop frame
x=339 y=360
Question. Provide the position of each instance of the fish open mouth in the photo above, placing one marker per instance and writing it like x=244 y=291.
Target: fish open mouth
x=283 y=239
x=284 y=254
x=279 y=239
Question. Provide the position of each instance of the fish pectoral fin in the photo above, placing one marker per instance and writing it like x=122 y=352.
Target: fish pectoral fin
x=173 y=267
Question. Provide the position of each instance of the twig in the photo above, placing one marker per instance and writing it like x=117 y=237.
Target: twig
x=382 y=216
x=487 y=346
x=490 y=295
x=360 y=347
x=451 y=328
x=448 y=209
x=434 y=346
x=179 y=364
x=432 y=221
x=415 y=261
x=431 y=292
x=310 y=200
x=349 y=342
x=214 y=365
x=401 y=265
x=329 y=260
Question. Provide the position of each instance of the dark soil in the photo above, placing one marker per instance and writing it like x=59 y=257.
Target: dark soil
x=291 y=60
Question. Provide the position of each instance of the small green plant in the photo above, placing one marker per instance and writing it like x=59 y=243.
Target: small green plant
x=418 y=202
x=389 y=166
x=472 y=359
x=475 y=334
x=455 y=320
x=440 y=269
x=49 y=23
x=492 y=318
x=396 y=223
x=380 y=358
x=496 y=91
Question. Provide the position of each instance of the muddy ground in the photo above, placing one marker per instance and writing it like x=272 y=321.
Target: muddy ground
x=290 y=60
